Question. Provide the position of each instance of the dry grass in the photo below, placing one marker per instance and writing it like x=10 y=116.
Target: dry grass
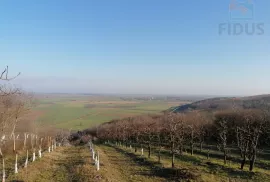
x=119 y=164
x=75 y=164
x=64 y=164
x=195 y=168
x=118 y=167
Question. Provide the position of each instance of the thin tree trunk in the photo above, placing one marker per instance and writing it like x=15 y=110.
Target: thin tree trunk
x=159 y=150
x=201 y=146
x=241 y=154
x=14 y=142
x=173 y=154
x=173 y=158
x=24 y=143
x=136 y=144
x=149 y=150
x=225 y=157
x=252 y=161
x=243 y=162
x=192 y=141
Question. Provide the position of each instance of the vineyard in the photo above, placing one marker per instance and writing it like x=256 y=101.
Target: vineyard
x=197 y=145
x=119 y=163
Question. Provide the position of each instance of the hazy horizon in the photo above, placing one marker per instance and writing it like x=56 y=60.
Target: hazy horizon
x=135 y=47
x=138 y=95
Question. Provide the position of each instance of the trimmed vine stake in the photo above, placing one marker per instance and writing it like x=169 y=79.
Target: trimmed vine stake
x=26 y=160
x=39 y=153
x=49 y=145
x=93 y=155
x=34 y=156
x=16 y=164
x=40 y=146
x=98 y=161
x=4 y=172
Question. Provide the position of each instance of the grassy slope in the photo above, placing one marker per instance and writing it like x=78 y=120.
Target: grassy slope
x=64 y=164
x=119 y=164
x=75 y=164
x=195 y=167
x=119 y=167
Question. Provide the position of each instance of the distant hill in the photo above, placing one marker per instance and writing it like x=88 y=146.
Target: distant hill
x=223 y=103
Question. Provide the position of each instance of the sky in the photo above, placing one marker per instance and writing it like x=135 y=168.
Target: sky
x=135 y=47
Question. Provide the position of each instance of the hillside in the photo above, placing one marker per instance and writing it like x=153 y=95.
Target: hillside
x=121 y=164
x=223 y=103
x=74 y=163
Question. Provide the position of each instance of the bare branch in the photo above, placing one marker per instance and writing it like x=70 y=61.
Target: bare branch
x=3 y=73
x=6 y=78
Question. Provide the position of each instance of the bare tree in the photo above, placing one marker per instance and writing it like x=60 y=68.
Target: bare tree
x=8 y=114
x=175 y=133
x=159 y=130
x=222 y=128
x=148 y=133
x=137 y=131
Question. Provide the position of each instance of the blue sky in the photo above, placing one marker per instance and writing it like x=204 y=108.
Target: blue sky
x=134 y=46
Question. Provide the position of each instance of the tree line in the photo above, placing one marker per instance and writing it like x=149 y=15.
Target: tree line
x=246 y=131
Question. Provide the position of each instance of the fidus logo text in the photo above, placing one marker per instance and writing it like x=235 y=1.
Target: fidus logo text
x=241 y=29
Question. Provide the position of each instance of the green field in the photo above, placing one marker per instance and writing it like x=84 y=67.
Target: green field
x=80 y=112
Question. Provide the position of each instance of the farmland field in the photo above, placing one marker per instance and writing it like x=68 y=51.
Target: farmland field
x=77 y=112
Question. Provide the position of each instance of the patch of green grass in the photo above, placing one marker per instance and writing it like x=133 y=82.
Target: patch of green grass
x=57 y=113
x=71 y=113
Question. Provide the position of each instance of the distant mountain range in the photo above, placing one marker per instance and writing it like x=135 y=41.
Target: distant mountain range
x=223 y=103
